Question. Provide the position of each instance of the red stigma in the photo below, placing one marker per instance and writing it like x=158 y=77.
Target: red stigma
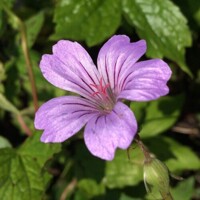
x=100 y=88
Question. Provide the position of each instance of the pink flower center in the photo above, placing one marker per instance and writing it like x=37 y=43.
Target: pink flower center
x=104 y=95
x=100 y=88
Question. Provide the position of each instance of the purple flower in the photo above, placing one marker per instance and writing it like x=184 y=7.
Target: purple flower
x=109 y=122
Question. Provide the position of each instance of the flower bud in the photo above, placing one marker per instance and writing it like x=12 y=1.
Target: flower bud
x=156 y=179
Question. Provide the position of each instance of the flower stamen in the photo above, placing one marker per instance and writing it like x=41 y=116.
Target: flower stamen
x=102 y=90
x=106 y=99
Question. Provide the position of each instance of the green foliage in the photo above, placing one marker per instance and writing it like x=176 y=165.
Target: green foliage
x=184 y=190
x=33 y=170
x=21 y=171
x=123 y=172
x=162 y=25
x=89 y=188
x=165 y=111
x=92 y=21
x=176 y=156
x=33 y=27
x=6 y=105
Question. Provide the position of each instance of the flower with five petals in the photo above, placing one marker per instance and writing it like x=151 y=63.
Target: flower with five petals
x=109 y=123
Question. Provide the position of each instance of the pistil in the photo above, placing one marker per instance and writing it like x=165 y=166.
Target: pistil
x=104 y=96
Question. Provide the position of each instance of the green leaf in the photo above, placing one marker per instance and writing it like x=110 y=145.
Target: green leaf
x=91 y=188
x=122 y=172
x=21 y=174
x=191 y=9
x=92 y=21
x=41 y=151
x=33 y=27
x=184 y=190
x=3 y=4
x=6 y=105
x=184 y=157
x=176 y=156
x=163 y=26
x=159 y=115
x=4 y=143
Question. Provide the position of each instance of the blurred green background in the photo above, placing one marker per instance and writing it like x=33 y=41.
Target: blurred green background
x=169 y=126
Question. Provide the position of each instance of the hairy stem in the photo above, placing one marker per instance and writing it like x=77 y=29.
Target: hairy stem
x=145 y=151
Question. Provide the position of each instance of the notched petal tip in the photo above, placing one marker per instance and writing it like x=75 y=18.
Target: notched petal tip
x=142 y=43
x=146 y=81
x=37 y=121
x=44 y=139
x=104 y=134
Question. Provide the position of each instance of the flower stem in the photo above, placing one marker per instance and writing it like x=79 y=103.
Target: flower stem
x=145 y=151
x=24 y=43
x=29 y=65
x=23 y=125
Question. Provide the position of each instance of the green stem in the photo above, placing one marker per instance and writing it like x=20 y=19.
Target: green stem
x=25 y=49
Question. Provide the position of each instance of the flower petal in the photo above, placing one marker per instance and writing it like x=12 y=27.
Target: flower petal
x=146 y=80
x=70 y=68
x=103 y=134
x=62 y=117
x=116 y=56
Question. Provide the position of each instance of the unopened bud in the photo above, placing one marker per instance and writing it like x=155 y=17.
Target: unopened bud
x=156 y=179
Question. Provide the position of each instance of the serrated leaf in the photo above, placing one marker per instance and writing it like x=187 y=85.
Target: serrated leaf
x=177 y=157
x=33 y=27
x=21 y=171
x=41 y=151
x=159 y=115
x=163 y=26
x=92 y=21
x=122 y=172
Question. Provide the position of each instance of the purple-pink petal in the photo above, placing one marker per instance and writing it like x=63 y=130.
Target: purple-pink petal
x=116 y=57
x=77 y=59
x=70 y=68
x=62 y=117
x=103 y=134
x=146 y=80
x=110 y=124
